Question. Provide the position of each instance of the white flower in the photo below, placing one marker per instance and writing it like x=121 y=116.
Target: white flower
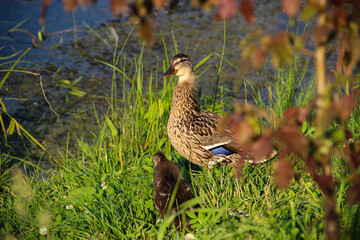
x=103 y=185
x=86 y=212
x=43 y=231
x=69 y=206
x=189 y=236
x=211 y=164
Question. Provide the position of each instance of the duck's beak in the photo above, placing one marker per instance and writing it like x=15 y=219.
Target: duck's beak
x=169 y=72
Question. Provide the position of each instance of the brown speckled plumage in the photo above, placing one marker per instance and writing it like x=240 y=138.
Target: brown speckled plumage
x=166 y=176
x=191 y=130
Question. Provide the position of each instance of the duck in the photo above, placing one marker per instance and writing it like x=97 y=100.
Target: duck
x=166 y=177
x=194 y=132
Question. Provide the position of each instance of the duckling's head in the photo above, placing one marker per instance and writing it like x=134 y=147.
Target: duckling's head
x=181 y=67
x=158 y=158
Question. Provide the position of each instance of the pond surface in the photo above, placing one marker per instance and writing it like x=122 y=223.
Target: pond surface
x=84 y=36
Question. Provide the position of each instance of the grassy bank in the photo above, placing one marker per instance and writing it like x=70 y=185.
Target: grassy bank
x=105 y=190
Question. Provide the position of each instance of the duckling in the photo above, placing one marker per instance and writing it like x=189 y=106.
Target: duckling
x=192 y=131
x=165 y=179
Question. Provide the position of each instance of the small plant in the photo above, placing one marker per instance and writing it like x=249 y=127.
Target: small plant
x=74 y=90
x=14 y=125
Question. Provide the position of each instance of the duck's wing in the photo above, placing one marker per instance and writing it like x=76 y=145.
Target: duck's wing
x=204 y=129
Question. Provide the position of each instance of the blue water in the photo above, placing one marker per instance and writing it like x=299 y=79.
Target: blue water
x=14 y=12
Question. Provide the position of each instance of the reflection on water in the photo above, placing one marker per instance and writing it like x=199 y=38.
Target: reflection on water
x=194 y=31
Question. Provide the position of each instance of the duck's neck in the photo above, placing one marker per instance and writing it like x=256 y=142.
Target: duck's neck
x=189 y=78
x=184 y=100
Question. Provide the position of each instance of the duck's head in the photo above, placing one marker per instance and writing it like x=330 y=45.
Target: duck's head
x=158 y=158
x=181 y=67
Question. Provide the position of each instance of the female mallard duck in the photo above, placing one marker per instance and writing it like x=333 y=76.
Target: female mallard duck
x=193 y=131
x=165 y=179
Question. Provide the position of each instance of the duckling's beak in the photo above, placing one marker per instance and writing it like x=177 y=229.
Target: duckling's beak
x=169 y=72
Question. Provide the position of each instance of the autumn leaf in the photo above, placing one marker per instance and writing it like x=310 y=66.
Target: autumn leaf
x=159 y=4
x=243 y=134
x=70 y=5
x=280 y=47
x=248 y=50
x=226 y=9
x=296 y=142
x=258 y=57
x=118 y=6
x=260 y=149
x=345 y=106
x=321 y=34
x=291 y=7
x=238 y=166
x=44 y=7
x=296 y=115
x=230 y=121
x=246 y=8
x=325 y=183
x=284 y=172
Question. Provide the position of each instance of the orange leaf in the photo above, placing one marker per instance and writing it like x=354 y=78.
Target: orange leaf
x=260 y=149
x=258 y=57
x=244 y=134
x=295 y=141
x=321 y=35
x=226 y=10
x=345 y=107
x=291 y=7
x=295 y=114
x=284 y=172
x=326 y=184
x=247 y=10
x=70 y=5
x=118 y=6
x=159 y=4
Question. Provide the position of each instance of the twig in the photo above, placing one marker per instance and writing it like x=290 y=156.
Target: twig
x=43 y=91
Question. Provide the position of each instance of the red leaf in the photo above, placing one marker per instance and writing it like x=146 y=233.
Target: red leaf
x=226 y=10
x=247 y=10
x=70 y=5
x=291 y=7
x=311 y=164
x=296 y=114
x=345 y=107
x=159 y=4
x=118 y=6
x=284 y=172
x=326 y=184
x=260 y=149
x=295 y=141
x=321 y=34
x=243 y=134
x=230 y=121
x=238 y=166
x=258 y=57
x=44 y=8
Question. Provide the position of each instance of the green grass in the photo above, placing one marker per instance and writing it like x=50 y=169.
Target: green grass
x=105 y=190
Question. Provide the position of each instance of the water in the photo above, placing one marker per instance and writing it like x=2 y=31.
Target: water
x=194 y=31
